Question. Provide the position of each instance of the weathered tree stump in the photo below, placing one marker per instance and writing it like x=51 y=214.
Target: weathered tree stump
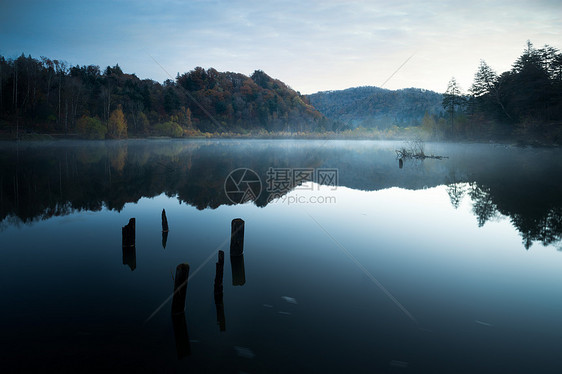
x=180 y=288
x=237 y=237
x=128 y=234
x=164 y=221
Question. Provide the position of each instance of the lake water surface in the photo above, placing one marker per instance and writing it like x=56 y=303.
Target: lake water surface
x=351 y=263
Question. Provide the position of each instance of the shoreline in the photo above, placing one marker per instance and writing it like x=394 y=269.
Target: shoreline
x=33 y=137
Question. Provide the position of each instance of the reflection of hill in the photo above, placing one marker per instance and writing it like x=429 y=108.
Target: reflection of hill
x=40 y=181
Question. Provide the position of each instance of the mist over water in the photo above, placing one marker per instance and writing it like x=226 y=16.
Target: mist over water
x=413 y=269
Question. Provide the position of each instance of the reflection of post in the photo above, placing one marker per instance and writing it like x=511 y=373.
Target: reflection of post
x=237 y=237
x=180 y=288
x=219 y=292
x=400 y=163
x=238 y=271
x=183 y=347
x=164 y=239
x=130 y=257
x=128 y=234
x=164 y=221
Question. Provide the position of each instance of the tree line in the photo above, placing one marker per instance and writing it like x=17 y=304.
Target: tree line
x=524 y=102
x=51 y=96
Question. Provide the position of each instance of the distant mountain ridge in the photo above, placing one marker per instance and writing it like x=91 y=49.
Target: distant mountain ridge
x=370 y=106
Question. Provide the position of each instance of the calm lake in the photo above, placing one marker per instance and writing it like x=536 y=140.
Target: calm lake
x=350 y=263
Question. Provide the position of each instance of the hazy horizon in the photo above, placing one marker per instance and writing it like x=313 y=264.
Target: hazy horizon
x=312 y=47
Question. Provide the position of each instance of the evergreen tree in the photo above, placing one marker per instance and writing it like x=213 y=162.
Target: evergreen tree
x=453 y=100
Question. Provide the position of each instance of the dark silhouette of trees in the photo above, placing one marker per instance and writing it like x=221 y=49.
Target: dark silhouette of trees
x=525 y=101
x=51 y=96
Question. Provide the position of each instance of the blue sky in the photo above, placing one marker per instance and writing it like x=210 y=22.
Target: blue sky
x=310 y=45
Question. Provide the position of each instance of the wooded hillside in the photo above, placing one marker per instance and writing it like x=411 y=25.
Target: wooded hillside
x=50 y=96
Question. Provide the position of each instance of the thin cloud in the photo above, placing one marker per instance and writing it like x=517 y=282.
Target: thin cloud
x=314 y=45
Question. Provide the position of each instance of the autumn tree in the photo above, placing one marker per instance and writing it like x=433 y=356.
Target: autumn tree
x=90 y=128
x=117 y=125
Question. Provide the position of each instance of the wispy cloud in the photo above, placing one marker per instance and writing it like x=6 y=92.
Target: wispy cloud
x=313 y=45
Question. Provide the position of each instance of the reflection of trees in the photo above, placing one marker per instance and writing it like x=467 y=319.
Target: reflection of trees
x=482 y=204
x=456 y=192
x=42 y=181
x=39 y=182
x=546 y=229
x=533 y=223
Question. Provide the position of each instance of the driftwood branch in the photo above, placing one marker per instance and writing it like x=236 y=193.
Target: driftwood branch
x=415 y=149
x=405 y=154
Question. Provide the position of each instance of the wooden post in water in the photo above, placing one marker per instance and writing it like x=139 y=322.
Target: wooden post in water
x=180 y=288
x=219 y=304
x=164 y=221
x=400 y=163
x=237 y=237
x=128 y=234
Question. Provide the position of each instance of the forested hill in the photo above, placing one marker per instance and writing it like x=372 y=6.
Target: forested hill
x=50 y=96
x=378 y=107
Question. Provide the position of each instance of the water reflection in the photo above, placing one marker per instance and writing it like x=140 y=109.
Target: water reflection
x=180 y=288
x=218 y=292
x=432 y=258
x=40 y=181
x=238 y=270
x=165 y=229
x=183 y=346
x=456 y=192
x=130 y=257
